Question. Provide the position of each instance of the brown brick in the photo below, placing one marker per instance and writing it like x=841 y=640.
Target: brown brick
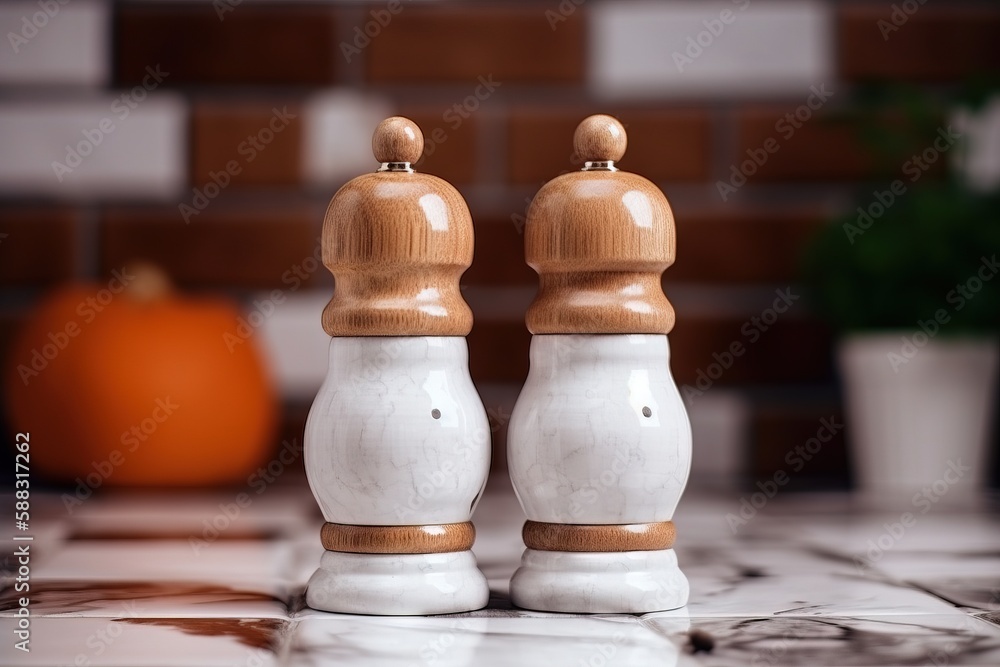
x=820 y=148
x=291 y=430
x=663 y=145
x=785 y=439
x=10 y=324
x=37 y=246
x=449 y=143
x=741 y=248
x=498 y=351
x=244 y=134
x=248 y=45
x=935 y=43
x=499 y=256
x=791 y=350
x=224 y=246
x=509 y=44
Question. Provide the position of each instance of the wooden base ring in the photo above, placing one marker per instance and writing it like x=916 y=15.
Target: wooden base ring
x=598 y=538
x=434 y=539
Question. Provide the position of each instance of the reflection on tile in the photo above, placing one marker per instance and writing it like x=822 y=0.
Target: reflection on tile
x=138 y=642
x=150 y=599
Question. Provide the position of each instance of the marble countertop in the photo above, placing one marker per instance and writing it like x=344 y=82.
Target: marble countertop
x=189 y=579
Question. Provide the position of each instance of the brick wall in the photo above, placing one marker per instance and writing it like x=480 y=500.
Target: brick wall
x=219 y=131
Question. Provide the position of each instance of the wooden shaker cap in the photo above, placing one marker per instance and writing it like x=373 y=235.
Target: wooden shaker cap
x=599 y=239
x=397 y=242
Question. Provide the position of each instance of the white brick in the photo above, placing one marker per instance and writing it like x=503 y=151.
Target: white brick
x=978 y=156
x=719 y=426
x=766 y=48
x=338 y=128
x=294 y=343
x=70 y=46
x=143 y=154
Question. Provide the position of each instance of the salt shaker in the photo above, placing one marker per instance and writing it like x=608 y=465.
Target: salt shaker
x=599 y=443
x=397 y=443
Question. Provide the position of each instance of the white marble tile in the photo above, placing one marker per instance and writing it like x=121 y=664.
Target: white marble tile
x=643 y=49
x=783 y=593
x=480 y=639
x=94 y=148
x=55 y=42
x=265 y=512
x=807 y=595
x=863 y=641
x=219 y=561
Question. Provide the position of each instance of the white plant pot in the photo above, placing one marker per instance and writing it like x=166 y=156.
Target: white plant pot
x=919 y=415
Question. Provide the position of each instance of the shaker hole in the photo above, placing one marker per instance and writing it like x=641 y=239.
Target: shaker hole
x=436 y=413
x=646 y=412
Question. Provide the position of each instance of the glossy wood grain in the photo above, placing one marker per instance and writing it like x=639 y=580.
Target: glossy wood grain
x=397 y=243
x=598 y=538
x=397 y=139
x=599 y=241
x=433 y=539
x=600 y=138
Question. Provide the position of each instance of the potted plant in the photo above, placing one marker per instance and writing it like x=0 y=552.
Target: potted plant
x=910 y=280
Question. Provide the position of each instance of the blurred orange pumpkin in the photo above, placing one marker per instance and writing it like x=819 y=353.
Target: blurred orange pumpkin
x=128 y=383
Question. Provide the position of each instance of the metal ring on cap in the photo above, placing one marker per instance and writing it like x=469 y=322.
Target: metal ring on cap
x=600 y=165
x=396 y=166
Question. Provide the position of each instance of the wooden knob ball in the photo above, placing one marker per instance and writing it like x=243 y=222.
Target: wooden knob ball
x=600 y=138
x=397 y=139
